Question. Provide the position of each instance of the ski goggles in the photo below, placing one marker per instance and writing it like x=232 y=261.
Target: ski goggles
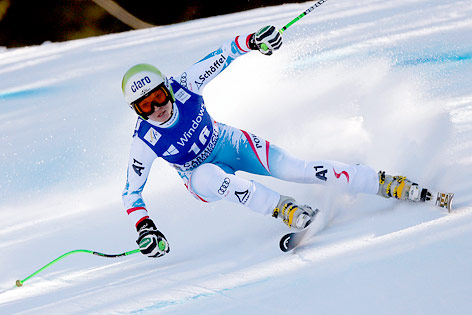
x=157 y=97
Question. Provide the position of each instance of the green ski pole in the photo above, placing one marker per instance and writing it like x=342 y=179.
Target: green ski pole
x=302 y=15
x=283 y=29
x=19 y=283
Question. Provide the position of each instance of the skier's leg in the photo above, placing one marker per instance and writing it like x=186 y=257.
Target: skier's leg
x=210 y=182
x=255 y=155
x=353 y=178
x=258 y=156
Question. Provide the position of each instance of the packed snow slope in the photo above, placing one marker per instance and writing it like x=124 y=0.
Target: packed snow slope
x=383 y=83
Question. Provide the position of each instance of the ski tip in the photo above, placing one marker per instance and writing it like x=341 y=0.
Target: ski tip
x=449 y=204
x=444 y=200
x=285 y=242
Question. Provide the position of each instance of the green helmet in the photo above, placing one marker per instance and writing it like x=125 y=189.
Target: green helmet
x=140 y=79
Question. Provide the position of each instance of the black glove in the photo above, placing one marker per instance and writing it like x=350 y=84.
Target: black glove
x=266 y=40
x=151 y=241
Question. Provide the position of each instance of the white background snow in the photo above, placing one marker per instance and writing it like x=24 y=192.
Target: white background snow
x=383 y=83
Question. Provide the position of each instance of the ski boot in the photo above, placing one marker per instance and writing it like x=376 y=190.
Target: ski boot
x=398 y=187
x=292 y=214
x=402 y=188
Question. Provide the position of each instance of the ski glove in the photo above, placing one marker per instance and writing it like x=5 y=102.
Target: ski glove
x=151 y=241
x=266 y=40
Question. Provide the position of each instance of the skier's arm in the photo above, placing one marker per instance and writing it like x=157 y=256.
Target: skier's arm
x=151 y=241
x=201 y=73
x=266 y=40
x=140 y=160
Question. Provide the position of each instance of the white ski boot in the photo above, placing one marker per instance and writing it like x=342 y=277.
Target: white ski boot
x=292 y=214
x=398 y=187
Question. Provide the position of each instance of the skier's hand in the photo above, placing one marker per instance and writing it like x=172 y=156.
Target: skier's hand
x=151 y=241
x=266 y=40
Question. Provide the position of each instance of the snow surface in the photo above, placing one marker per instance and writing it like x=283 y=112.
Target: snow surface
x=384 y=83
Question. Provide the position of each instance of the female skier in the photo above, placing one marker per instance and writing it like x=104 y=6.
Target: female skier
x=173 y=124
